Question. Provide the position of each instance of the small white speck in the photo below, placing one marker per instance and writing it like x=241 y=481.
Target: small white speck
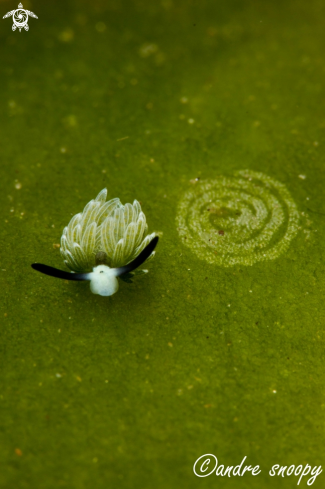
x=188 y=269
x=307 y=198
x=251 y=291
x=17 y=185
x=274 y=391
x=58 y=376
x=229 y=305
x=148 y=49
x=302 y=177
x=191 y=121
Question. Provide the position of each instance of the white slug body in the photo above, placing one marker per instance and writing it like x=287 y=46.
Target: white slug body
x=107 y=229
x=103 y=280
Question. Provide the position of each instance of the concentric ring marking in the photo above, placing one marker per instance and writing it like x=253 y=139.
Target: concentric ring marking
x=242 y=219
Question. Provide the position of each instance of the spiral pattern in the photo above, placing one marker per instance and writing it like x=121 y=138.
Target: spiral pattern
x=243 y=219
x=20 y=17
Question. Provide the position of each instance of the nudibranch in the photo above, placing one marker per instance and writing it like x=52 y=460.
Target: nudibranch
x=106 y=240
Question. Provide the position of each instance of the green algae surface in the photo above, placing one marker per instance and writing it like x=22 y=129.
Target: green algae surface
x=144 y=98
